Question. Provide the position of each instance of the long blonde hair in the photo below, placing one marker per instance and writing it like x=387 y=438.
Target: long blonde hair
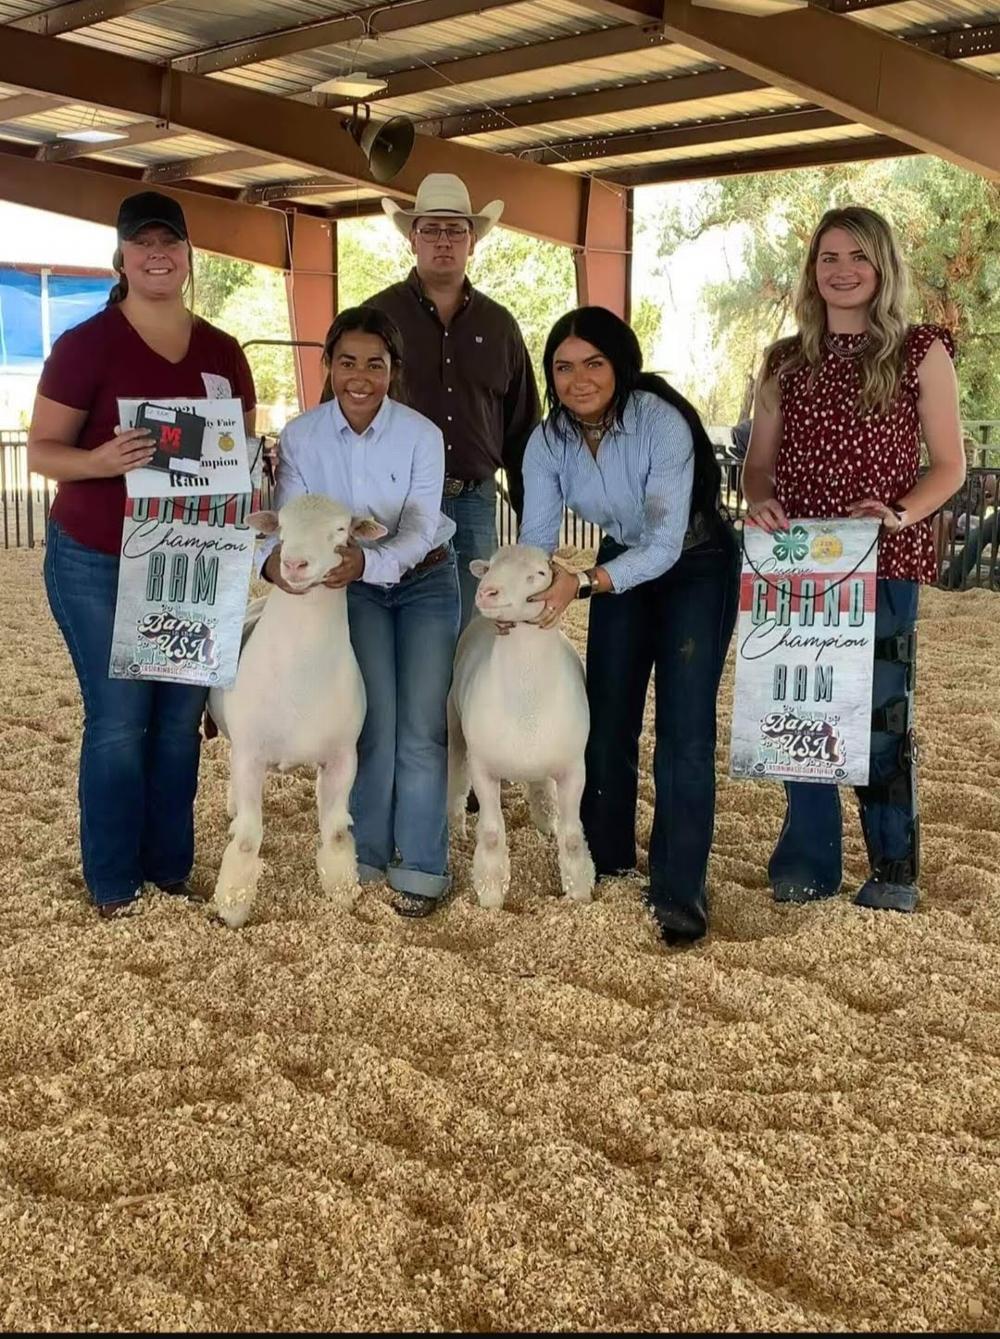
x=880 y=366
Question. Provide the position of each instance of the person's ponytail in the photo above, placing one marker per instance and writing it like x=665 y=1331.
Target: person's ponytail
x=120 y=289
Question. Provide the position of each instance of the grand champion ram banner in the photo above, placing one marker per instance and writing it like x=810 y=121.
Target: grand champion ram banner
x=805 y=645
x=182 y=586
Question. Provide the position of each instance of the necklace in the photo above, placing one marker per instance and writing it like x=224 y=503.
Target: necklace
x=840 y=351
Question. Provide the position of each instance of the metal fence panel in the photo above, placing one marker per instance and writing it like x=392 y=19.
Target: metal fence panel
x=965 y=530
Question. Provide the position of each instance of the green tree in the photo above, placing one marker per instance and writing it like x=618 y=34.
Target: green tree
x=258 y=310
x=948 y=222
x=215 y=278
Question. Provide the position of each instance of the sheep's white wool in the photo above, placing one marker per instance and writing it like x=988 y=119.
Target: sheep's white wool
x=518 y=712
x=298 y=699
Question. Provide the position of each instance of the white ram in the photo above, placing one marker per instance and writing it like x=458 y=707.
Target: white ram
x=518 y=711
x=298 y=700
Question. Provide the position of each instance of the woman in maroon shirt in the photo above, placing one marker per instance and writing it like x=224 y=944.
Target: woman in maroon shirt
x=839 y=413
x=139 y=759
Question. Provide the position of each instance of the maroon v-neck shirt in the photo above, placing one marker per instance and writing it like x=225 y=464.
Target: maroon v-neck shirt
x=104 y=359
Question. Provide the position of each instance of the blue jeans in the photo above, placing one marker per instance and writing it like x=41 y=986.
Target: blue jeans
x=141 y=743
x=475 y=515
x=404 y=638
x=808 y=852
x=681 y=624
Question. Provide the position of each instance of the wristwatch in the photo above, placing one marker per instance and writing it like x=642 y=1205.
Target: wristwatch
x=899 y=513
x=586 y=588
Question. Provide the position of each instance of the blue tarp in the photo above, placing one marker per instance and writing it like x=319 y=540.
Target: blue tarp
x=71 y=299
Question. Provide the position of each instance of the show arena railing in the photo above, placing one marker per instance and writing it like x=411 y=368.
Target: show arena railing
x=965 y=530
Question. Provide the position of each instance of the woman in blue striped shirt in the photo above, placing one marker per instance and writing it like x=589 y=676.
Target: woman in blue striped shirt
x=624 y=450
x=382 y=459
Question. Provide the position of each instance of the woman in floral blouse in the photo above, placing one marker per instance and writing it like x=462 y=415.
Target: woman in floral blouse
x=840 y=410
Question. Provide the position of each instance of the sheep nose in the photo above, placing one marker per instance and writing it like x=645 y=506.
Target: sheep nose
x=295 y=564
x=489 y=592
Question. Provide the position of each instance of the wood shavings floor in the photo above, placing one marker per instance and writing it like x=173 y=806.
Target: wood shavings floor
x=539 y=1118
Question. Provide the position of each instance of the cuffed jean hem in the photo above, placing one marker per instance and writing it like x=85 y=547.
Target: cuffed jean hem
x=117 y=899
x=370 y=873
x=416 y=881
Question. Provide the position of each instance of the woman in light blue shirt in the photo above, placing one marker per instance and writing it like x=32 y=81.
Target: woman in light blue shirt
x=382 y=459
x=623 y=449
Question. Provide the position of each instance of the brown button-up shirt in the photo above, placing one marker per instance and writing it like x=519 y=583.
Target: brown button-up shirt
x=472 y=378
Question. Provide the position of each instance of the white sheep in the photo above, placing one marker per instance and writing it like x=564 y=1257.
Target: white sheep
x=298 y=699
x=518 y=711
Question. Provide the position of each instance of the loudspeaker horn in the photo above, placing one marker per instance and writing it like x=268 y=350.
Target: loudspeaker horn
x=385 y=144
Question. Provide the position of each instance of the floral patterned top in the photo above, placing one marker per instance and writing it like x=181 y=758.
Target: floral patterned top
x=830 y=456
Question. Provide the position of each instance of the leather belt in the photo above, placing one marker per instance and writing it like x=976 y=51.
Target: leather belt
x=456 y=487
x=432 y=559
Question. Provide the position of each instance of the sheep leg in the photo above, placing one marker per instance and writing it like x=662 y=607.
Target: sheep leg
x=458 y=770
x=491 y=862
x=240 y=869
x=576 y=868
x=336 y=861
x=542 y=806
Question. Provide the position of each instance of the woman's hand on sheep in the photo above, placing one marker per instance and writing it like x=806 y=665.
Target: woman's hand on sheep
x=564 y=588
x=351 y=567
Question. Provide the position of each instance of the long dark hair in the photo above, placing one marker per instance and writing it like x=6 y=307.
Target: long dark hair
x=369 y=321
x=618 y=342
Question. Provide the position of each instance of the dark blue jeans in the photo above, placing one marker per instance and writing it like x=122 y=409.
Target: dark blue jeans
x=475 y=515
x=404 y=638
x=139 y=760
x=808 y=852
x=681 y=625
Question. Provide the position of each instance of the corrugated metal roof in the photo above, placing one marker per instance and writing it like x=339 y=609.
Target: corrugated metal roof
x=584 y=77
x=429 y=45
x=723 y=148
x=935 y=15
x=172 y=28
x=646 y=118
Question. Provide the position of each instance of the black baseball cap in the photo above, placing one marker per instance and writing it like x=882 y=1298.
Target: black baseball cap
x=137 y=211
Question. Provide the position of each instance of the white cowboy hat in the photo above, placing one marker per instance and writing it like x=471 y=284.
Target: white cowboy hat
x=442 y=193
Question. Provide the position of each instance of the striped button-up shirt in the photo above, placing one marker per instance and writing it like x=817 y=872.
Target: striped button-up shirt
x=637 y=488
x=393 y=471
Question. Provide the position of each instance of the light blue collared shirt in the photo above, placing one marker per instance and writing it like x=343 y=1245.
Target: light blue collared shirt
x=638 y=489
x=394 y=471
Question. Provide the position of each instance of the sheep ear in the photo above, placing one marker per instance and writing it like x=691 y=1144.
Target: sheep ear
x=479 y=567
x=264 y=522
x=367 y=528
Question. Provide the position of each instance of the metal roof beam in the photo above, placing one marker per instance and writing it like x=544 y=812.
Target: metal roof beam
x=627 y=98
x=291 y=190
x=371 y=22
x=768 y=160
x=896 y=89
x=539 y=200
x=209 y=165
x=686 y=136
x=144 y=132
x=961 y=43
x=244 y=231
x=68 y=18
x=599 y=45
x=26 y=104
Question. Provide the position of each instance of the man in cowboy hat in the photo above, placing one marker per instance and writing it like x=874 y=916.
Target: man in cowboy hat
x=465 y=363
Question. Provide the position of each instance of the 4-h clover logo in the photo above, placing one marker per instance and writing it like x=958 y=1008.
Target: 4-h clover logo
x=791 y=545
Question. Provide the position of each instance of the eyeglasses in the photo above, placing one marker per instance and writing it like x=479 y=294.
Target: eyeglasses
x=453 y=234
